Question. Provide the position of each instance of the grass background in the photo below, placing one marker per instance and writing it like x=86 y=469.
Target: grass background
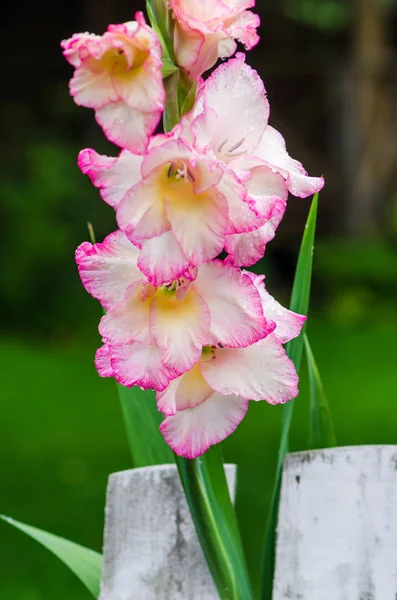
x=62 y=434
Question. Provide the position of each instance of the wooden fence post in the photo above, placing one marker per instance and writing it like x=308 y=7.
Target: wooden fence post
x=337 y=528
x=151 y=550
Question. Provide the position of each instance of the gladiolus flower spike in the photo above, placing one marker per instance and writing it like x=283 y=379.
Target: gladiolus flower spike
x=203 y=333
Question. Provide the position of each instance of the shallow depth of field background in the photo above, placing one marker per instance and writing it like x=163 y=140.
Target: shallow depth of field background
x=329 y=67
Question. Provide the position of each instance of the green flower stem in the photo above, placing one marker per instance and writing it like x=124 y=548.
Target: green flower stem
x=300 y=304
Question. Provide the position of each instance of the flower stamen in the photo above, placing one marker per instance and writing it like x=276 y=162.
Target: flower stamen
x=237 y=146
x=222 y=145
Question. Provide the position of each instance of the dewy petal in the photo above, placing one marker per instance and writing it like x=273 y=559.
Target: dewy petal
x=102 y=361
x=246 y=249
x=272 y=149
x=127 y=127
x=162 y=260
x=119 y=75
x=141 y=213
x=188 y=391
x=289 y=324
x=71 y=47
x=192 y=52
x=265 y=188
x=241 y=217
x=139 y=89
x=236 y=94
x=180 y=327
x=237 y=318
x=192 y=431
x=92 y=89
x=113 y=176
x=259 y=372
x=198 y=221
x=107 y=269
x=244 y=29
x=140 y=364
x=128 y=321
x=204 y=31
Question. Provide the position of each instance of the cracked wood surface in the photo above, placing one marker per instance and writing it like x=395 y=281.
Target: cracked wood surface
x=151 y=550
x=337 y=528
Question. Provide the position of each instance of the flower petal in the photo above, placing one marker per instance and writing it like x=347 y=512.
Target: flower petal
x=102 y=361
x=244 y=29
x=139 y=364
x=128 y=321
x=191 y=432
x=113 y=176
x=235 y=306
x=241 y=217
x=259 y=372
x=246 y=249
x=72 y=46
x=162 y=260
x=180 y=327
x=265 y=188
x=198 y=221
x=289 y=324
x=140 y=88
x=272 y=149
x=107 y=269
x=127 y=127
x=92 y=89
x=188 y=391
x=141 y=213
x=236 y=94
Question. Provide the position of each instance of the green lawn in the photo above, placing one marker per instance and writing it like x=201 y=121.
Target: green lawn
x=62 y=433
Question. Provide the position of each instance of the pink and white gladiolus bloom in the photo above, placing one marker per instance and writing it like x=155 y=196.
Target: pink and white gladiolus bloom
x=253 y=150
x=154 y=334
x=119 y=75
x=176 y=204
x=207 y=403
x=206 y=30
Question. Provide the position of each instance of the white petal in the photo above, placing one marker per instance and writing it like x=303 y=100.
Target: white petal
x=114 y=176
x=139 y=364
x=272 y=150
x=128 y=321
x=260 y=372
x=180 y=327
x=191 y=432
x=236 y=94
x=109 y=268
x=188 y=391
x=237 y=318
x=162 y=260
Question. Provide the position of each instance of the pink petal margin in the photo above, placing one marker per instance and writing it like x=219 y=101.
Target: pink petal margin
x=192 y=431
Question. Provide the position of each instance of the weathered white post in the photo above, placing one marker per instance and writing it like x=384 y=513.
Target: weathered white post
x=151 y=550
x=337 y=528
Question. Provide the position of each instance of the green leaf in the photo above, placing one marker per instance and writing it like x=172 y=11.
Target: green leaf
x=168 y=68
x=188 y=97
x=205 y=486
x=300 y=304
x=171 y=114
x=161 y=21
x=84 y=563
x=321 y=432
x=142 y=420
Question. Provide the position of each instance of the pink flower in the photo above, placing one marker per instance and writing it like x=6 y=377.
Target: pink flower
x=119 y=75
x=176 y=204
x=206 y=30
x=154 y=334
x=249 y=148
x=207 y=403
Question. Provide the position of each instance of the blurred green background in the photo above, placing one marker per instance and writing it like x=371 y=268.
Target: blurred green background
x=330 y=70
